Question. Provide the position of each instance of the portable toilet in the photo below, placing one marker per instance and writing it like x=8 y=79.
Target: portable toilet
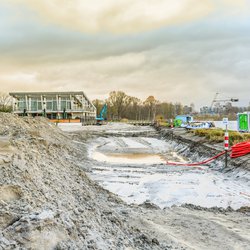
x=243 y=121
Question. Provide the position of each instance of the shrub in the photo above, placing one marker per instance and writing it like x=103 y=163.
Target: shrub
x=217 y=135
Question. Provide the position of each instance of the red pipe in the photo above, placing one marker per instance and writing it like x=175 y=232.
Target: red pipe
x=196 y=163
x=240 y=149
x=237 y=150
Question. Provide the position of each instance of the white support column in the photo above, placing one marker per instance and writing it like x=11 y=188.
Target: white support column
x=57 y=102
x=26 y=102
x=72 y=102
x=29 y=102
x=43 y=98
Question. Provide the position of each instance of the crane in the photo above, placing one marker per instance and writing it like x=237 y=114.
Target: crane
x=216 y=100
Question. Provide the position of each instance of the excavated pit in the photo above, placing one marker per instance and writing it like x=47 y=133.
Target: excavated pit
x=134 y=167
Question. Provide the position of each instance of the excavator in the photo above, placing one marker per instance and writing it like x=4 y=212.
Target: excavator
x=102 y=116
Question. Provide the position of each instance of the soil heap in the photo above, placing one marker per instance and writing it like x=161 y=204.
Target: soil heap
x=46 y=199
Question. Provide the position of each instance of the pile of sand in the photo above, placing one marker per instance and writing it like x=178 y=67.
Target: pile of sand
x=47 y=201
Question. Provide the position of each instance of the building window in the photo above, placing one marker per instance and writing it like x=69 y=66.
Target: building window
x=54 y=104
x=49 y=104
x=68 y=105
x=33 y=105
x=65 y=103
x=39 y=105
x=21 y=104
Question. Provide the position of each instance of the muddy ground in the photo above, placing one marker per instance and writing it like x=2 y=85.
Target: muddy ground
x=48 y=199
x=134 y=167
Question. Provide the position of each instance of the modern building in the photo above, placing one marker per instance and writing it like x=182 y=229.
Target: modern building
x=54 y=105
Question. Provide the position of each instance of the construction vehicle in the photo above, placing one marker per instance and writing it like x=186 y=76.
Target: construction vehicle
x=102 y=116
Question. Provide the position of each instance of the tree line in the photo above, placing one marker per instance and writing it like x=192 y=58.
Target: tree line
x=122 y=106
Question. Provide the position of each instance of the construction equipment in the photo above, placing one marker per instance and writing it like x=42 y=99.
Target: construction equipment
x=218 y=101
x=103 y=115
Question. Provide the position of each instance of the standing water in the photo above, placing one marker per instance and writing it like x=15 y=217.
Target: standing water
x=131 y=162
x=135 y=169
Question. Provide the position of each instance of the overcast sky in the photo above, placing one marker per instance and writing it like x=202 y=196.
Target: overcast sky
x=180 y=51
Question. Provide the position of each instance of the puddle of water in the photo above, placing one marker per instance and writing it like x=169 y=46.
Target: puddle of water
x=129 y=158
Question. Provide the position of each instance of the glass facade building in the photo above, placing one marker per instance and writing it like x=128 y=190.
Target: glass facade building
x=54 y=105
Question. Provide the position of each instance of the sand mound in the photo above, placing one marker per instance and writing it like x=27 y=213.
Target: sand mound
x=46 y=200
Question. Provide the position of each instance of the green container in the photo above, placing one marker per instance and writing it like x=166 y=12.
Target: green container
x=177 y=123
x=243 y=122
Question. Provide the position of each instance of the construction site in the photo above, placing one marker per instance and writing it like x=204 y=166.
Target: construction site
x=114 y=187
x=124 y=125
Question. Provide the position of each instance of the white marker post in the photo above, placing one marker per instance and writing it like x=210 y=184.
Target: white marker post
x=226 y=140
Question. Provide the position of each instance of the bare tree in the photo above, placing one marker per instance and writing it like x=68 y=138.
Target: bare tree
x=5 y=102
x=118 y=102
x=135 y=108
x=151 y=102
x=178 y=108
x=98 y=104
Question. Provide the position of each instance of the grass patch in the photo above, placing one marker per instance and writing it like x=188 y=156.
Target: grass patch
x=217 y=135
x=163 y=124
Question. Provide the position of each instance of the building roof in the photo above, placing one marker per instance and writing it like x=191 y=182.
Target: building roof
x=48 y=93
